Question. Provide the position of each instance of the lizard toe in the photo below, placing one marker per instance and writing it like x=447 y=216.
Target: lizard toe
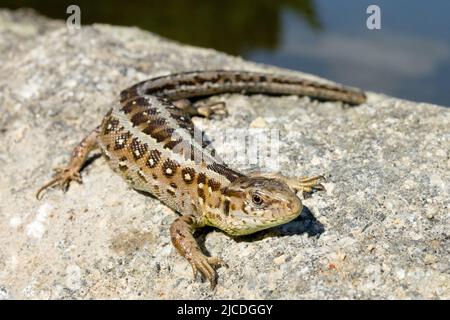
x=62 y=178
x=204 y=265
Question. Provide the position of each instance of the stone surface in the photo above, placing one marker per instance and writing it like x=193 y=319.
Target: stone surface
x=380 y=231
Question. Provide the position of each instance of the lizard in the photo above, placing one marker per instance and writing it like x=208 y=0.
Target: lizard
x=148 y=137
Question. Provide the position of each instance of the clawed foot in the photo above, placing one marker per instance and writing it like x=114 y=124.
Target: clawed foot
x=307 y=184
x=215 y=110
x=62 y=178
x=201 y=108
x=206 y=266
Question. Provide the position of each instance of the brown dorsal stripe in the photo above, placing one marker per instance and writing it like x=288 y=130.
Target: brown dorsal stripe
x=142 y=115
x=128 y=94
x=188 y=125
x=129 y=105
x=162 y=134
x=201 y=178
x=111 y=125
x=232 y=193
x=230 y=174
x=169 y=167
x=153 y=158
x=172 y=144
x=188 y=175
x=153 y=125
x=184 y=121
x=121 y=140
x=215 y=185
x=139 y=118
x=137 y=148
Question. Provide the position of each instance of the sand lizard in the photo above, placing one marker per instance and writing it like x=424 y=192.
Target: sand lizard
x=148 y=138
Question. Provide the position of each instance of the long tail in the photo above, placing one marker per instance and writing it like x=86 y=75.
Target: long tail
x=204 y=83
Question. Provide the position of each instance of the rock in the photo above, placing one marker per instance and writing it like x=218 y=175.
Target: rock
x=258 y=123
x=280 y=260
x=387 y=164
x=429 y=259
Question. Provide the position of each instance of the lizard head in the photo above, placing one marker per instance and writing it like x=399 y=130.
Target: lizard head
x=251 y=204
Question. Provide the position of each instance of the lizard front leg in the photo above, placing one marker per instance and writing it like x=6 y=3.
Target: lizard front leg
x=303 y=184
x=181 y=234
x=71 y=171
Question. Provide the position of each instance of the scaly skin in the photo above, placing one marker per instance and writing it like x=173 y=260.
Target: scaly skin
x=148 y=138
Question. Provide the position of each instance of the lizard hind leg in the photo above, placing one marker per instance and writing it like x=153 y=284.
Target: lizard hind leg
x=71 y=172
x=211 y=110
x=201 y=108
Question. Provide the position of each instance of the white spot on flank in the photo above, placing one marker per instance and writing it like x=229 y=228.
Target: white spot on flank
x=200 y=185
x=151 y=161
x=169 y=171
x=187 y=176
x=209 y=190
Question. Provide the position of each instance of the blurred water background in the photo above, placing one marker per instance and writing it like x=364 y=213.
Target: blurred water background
x=408 y=58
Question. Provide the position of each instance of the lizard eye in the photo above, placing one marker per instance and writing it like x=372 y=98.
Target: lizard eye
x=257 y=199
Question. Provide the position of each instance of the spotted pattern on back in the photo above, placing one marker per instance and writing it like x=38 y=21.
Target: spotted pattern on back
x=155 y=146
